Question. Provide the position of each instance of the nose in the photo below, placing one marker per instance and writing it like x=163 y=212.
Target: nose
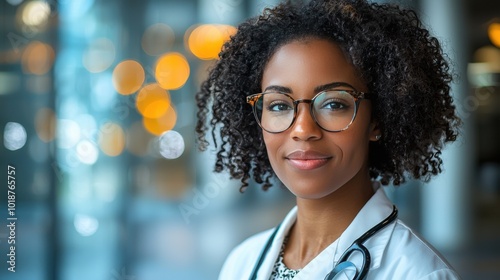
x=305 y=127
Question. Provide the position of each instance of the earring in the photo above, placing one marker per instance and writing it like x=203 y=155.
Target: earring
x=377 y=137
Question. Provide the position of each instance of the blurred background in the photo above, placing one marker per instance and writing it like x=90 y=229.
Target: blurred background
x=97 y=119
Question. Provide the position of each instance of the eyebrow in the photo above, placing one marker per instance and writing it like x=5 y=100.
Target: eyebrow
x=328 y=86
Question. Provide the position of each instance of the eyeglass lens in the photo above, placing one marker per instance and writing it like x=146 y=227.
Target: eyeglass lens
x=332 y=110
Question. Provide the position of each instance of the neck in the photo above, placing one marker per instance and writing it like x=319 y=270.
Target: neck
x=321 y=221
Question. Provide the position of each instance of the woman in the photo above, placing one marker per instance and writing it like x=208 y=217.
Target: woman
x=334 y=98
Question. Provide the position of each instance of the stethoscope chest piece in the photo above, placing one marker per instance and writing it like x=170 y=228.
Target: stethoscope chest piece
x=344 y=263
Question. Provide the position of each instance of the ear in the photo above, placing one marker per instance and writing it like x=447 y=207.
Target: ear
x=375 y=133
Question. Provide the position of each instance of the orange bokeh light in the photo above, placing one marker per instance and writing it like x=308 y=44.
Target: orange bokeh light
x=205 y=41
x=165 y=122
x=111 y=139
x=37 y=58
x=494 y=33
x=45 y=124
x=128 y=77
x=172 y=71
x=152 y=101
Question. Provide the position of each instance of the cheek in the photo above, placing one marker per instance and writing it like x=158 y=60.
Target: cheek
x=354 y=147
x=355 y=143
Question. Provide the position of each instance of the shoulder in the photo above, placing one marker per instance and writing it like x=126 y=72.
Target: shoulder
x=243 y=257
x=410 y=256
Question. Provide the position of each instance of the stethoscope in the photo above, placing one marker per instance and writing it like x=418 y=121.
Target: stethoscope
x=343 y=262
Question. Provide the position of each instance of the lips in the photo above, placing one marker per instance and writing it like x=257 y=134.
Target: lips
x=307 y=160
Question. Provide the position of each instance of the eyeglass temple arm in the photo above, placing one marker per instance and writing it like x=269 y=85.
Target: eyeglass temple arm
x=251 y=99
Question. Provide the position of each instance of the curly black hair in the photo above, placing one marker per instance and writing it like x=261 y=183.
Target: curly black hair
x=407 y=74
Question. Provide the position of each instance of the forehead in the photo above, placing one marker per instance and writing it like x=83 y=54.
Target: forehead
x=306 y=64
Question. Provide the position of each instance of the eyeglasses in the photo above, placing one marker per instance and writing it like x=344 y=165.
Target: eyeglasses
x=332 y=110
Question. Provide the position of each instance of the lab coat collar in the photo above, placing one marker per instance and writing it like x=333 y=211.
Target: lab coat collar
x=373 y=212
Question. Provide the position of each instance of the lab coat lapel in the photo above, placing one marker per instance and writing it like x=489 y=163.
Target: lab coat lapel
x=272 y=255
x=375 y=210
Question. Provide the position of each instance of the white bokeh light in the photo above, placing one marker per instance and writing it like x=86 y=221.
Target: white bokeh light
x=99 y=55
x=68 y=133
x=36 y=13
x=87 y=152
x=85 y=225
x=171 y=144
x=14 y=136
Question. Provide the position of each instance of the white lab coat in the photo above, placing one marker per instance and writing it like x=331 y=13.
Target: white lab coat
x=396 y=251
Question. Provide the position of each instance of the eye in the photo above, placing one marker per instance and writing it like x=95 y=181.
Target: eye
x=334 y=105
x=334 y=101
x=279 y=106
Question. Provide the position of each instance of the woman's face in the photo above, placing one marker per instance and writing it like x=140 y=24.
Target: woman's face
x=310 y=161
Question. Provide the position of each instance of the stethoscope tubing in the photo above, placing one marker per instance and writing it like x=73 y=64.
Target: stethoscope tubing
x=263 y=254
x=357 y=245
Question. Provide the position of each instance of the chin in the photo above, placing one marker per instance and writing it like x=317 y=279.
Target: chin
x=305 y=191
